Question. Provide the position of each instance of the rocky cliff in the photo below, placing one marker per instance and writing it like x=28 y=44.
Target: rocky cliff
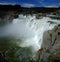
x=51 y=46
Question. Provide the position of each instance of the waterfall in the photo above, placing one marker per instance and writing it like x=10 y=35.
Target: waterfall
x=29 y=29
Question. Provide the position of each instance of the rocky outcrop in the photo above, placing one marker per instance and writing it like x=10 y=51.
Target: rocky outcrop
x=51 y=46
x=9 y=7
x=8 y=13
x=7 y=18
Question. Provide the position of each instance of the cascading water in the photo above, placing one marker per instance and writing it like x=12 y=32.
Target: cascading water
x=29 y=29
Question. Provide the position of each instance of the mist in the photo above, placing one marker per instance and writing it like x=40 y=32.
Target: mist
x=29 y=29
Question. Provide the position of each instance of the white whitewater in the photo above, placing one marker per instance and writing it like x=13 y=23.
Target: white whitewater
x=29 y=29
x=35 y=29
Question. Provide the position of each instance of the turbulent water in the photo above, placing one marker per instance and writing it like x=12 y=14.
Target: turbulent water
x=29 y=29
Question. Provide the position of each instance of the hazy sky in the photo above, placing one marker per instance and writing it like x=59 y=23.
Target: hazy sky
x=33 y=3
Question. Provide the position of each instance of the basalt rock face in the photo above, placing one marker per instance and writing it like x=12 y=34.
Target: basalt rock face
x=8 y=13
x=9 y=7
x=51 y=45
x=7 y=18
